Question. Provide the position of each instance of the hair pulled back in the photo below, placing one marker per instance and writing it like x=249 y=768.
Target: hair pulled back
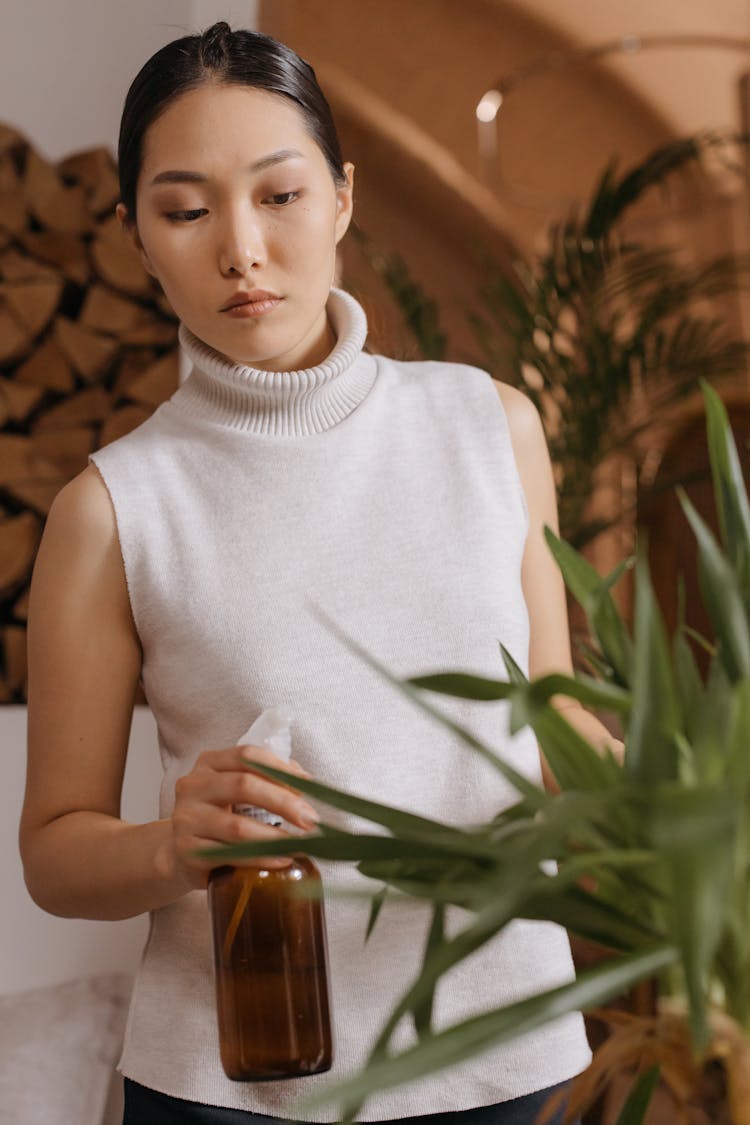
x=238 y=58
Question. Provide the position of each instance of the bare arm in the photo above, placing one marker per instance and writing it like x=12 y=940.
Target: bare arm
x=80 y=858
x=543 y=585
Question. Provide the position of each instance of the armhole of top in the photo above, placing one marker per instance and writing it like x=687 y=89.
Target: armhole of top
x=128 y=584
x=511 y=451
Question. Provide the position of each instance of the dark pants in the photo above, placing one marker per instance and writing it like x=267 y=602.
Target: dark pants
x=147 y=1107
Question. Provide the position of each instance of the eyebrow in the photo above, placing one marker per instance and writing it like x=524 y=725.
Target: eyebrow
x=182 y=177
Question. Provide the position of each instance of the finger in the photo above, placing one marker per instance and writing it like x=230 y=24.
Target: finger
x=228 y=758
x=213 y=787
x=202 y=867
x=250 y=754
x=298 y=769
x=221 y=826
x=204 y=836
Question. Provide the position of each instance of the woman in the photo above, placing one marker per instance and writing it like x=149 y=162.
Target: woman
x=408 y=499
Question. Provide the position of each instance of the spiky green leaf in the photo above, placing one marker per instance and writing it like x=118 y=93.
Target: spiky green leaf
x=651 y=747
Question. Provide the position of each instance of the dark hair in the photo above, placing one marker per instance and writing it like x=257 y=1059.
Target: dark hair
x=236 y=58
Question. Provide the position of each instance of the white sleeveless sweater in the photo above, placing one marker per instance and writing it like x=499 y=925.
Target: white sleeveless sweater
x=387 y=493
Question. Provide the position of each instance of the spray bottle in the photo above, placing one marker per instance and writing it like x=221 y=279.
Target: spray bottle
x=270 y=952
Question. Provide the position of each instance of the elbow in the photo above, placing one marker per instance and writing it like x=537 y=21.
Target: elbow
x=38 y=888
x=39 y=893
x=44 y=892
x=40 y=881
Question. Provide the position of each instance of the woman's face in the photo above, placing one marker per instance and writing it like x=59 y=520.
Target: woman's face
x=234 y=195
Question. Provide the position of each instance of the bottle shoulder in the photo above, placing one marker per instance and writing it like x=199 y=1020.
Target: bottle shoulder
x=300 y=868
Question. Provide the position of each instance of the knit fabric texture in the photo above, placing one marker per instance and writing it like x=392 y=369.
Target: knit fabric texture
x=386 y=494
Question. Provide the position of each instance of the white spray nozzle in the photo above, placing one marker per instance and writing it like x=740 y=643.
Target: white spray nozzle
x=271 y=729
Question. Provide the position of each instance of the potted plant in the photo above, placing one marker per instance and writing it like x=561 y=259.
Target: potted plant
x=603 y=330
x=651 y=853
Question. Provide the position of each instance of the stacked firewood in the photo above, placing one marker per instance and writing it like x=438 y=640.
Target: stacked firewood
x=88 y=349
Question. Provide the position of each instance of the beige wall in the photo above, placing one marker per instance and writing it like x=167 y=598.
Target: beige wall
x=691 y=88
x=431 y=60
x=403 y=80
x=433 y=64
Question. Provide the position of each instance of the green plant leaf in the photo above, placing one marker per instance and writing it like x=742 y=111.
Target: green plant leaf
x=729 y=487
x=711 y=730
x=484 y=926
x=376 y=906
x=589 y=917
x=462 y=1041
x=737 y=758
x=732 y=960
x=423 y=1010
x=397 y=820
x=516 y=675
x=355 y=846
x=639 y=1098
x=612 y=197
x=694 y=831
x=721 y=596
x=585 y=689
x=592 y=594
x=575 y=763
x=463 y=685
x=651 y=752
x=688 y=685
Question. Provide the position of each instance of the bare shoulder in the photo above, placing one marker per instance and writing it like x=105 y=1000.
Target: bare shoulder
x=84 y=506
x=524 y=422
x=84 y=659
x=80 y=550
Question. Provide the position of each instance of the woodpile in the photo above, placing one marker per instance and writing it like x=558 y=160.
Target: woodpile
x=88 y=349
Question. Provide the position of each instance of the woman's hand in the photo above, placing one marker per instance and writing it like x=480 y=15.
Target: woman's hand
x=203 y=816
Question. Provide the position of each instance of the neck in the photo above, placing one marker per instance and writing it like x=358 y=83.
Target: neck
x=310 y=352
x=296 y=403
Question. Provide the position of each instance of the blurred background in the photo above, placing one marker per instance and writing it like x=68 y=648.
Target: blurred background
x=480 y=132
x=557 y=193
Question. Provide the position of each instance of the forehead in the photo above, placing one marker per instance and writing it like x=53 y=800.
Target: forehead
x=224 y=125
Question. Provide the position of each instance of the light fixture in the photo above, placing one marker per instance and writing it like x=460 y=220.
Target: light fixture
x=489 y=106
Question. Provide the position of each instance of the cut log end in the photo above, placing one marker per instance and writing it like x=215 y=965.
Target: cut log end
x=88 y=349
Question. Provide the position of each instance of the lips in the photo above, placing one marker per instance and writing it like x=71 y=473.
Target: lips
x=253 y=296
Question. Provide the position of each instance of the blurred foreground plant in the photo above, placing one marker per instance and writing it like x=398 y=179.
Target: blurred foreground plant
x=663 y=837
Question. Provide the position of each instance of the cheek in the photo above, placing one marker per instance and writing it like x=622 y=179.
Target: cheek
x=177 y=269
x=156 y=247
x=315 y=224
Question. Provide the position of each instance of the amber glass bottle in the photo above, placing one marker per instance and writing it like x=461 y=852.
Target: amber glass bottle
x=270 y=962
x=270 y=952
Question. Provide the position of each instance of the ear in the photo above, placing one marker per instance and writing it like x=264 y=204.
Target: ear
x=130 y=230
x=345 y=202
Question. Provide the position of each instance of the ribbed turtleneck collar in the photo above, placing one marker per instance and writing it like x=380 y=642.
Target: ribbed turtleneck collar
x=283 y=403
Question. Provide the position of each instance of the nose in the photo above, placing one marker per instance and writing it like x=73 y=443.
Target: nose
x=242 y=244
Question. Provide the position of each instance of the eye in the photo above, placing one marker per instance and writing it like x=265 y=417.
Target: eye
x=283 y=198
x=185 y=216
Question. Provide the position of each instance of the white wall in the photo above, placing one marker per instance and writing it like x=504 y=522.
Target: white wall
x=66 y=65
x=37 y=949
